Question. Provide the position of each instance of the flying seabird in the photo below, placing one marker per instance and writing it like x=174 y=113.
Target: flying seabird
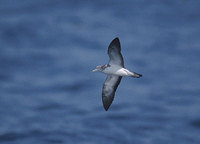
x=114 y=70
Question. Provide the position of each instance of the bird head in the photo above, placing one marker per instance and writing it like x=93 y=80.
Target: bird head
x=98 y=68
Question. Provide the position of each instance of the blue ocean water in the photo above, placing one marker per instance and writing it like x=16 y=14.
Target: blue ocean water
x=48 y=94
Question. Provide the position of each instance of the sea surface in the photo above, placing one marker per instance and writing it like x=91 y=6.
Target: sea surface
x=48 y=94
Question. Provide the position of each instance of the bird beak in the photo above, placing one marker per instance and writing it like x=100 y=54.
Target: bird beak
x=94 y=70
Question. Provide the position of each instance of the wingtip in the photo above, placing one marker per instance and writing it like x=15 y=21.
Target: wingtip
x=115 y=39
x=115 y=42
x=106 y=102
x=106 y=108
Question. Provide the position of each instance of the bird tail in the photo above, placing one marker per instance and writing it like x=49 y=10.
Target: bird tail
x=136 y=75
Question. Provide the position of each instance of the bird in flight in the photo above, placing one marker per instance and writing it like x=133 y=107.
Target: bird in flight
x=115 y=70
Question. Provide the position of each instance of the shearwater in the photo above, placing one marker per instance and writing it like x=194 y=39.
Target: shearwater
x=115 y=70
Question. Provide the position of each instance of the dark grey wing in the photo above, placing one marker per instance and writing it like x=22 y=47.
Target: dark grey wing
x=114 y=52
x=109 y=88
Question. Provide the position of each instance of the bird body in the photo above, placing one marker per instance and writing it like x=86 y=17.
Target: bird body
x=114 y=70
x=119 y=71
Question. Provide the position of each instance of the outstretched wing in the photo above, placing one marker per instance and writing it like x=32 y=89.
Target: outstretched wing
x=114 y=52
x=109 y=88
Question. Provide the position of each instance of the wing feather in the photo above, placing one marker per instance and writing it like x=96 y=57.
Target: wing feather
x=109 y=88
x=114 y=52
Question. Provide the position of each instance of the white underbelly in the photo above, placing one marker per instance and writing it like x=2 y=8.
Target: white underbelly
x=117 y=71
x=122 y=72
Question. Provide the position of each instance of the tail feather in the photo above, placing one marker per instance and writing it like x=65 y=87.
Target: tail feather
x=136 y=75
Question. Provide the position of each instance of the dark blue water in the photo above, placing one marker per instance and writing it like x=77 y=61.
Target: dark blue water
x=48 y=94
